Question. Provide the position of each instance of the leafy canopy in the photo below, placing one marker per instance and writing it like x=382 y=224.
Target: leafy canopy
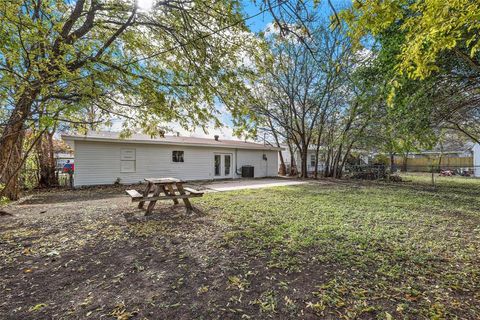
x=431 y=27
x=175 y=62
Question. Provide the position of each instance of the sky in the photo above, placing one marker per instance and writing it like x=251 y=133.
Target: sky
x=257 y=23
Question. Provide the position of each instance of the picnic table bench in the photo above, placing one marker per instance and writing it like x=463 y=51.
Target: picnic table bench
x=172 y=189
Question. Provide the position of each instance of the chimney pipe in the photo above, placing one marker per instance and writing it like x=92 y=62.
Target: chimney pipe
x=216 y=137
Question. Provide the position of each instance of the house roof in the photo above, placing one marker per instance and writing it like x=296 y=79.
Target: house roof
x=168 y=140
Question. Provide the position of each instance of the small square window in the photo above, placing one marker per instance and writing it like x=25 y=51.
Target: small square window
x=177 y=156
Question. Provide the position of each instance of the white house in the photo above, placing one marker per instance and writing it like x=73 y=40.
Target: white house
x=476 y=160
x=104 y=157
x=310 y=163
x=311 y=158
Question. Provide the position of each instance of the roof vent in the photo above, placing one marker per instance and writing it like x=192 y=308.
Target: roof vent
x=216 y=137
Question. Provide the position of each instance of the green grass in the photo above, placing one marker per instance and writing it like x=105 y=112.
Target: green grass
x=407 y=250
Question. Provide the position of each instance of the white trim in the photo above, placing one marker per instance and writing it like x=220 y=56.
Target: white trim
x=222 y=165
x=249 y=145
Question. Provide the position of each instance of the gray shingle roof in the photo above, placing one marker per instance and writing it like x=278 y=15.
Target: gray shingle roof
x=170 y=140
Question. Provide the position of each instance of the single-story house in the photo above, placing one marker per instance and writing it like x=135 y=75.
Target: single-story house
x=105 y=157
x=311 y=158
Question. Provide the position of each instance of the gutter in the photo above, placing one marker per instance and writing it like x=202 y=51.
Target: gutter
x=95 y=139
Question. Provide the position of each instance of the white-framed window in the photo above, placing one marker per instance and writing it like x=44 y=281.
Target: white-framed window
x=127 y=160
x=177 y=156
x=312 y=160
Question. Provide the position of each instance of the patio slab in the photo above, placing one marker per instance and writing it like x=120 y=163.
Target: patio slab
x=242 y=184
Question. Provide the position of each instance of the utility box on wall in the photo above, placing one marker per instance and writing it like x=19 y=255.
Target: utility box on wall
x=248 y=171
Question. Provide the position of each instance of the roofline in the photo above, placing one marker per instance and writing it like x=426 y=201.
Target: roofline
x=141 y=141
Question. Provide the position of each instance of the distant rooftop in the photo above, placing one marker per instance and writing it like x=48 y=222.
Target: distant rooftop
x=168 y=140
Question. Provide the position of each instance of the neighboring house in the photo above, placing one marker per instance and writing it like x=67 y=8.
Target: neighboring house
x=104 y=157
x=62 y=158
x=476 y=159
x=310 y=163
x=311 y=157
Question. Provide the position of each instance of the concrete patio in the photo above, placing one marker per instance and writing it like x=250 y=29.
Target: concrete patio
x=241 y=184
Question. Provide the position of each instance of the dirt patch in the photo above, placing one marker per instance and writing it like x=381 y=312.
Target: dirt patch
x=90 y=253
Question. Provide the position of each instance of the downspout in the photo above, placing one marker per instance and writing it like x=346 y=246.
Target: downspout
x=236 y=168
x=265 y=158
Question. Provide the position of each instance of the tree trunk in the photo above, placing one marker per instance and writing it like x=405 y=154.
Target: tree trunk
x=405 y=162
x=336 y=162
x=303 y=159
x=293 y=164
x=344 y=161
x=392 y=162
x=317 y=155
x=46 y=161
x=283 y=169
x=326 y=170
x=317 y=150
x=315 y=170
x=11 y=145
x=11 y=160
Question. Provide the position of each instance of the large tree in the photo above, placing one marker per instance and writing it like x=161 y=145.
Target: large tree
x=300 y=79
x=433 y=53
x=59 y=59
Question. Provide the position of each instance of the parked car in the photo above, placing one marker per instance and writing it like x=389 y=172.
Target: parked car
x=68 y=167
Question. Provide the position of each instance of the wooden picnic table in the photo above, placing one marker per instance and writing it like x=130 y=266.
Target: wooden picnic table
x=172 y=188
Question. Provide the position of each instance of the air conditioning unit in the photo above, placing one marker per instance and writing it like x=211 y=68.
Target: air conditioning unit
x=248 y=171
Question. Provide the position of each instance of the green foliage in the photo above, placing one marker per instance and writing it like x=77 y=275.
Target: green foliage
x=381 y=159
x=430 y=27
x=403 y=121
x=174 y=63
x=3 y=200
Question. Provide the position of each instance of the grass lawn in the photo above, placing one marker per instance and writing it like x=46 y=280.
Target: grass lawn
x=323 y=250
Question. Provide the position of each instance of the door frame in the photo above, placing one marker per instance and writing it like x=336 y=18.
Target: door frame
x=222 y=165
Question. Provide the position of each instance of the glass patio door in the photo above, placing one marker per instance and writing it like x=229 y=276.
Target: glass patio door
x=222 y=165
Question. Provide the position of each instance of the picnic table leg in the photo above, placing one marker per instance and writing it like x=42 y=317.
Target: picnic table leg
x=172 y=193
x=185 y=200
x=151 y=205
x=145 y=194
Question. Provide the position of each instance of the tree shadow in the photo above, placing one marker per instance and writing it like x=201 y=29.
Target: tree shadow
x=164 y=212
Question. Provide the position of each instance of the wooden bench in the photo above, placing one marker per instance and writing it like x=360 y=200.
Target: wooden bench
x=134 y=194
x=137 y=196
x=171 y=188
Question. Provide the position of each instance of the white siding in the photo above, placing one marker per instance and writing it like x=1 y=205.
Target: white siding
x=100 y=162
x=311 y=168
x=263 y=168
x=476 y=159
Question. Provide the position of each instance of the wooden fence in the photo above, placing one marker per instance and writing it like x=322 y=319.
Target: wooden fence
x=425 y=164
